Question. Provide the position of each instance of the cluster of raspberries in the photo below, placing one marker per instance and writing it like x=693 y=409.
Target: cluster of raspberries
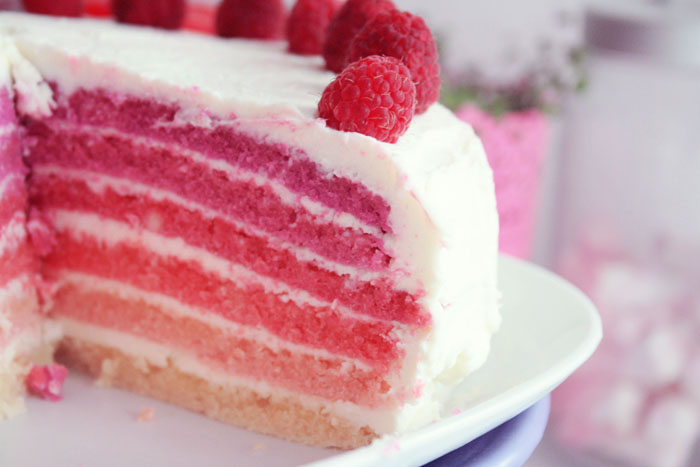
x=387 y=59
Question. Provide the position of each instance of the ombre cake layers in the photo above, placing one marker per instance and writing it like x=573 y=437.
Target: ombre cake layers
x=215 y=245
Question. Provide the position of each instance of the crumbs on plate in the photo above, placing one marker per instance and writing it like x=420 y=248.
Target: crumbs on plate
x=147 y=414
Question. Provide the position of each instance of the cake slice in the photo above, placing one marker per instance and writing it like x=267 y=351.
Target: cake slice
x=24 y=336
x=215 y=245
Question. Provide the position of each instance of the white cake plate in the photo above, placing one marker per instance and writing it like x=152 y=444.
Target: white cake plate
x=549 y=329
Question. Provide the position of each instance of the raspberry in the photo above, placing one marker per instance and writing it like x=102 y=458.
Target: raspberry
x=166 y=14
x=406 y=37
x=307 y=23
x=374 y=96
x=255 y=19
x=347 y=22
x=46 y=381
x=54 y=7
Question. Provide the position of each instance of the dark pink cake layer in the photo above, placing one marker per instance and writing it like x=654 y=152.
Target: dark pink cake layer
x=187 y=282
x=290 y=166
x=222 y=238
x=317 y=376
x=168 y=170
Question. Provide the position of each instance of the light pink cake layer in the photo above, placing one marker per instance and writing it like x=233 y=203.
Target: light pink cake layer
x=17 y=308
x=169 y=170
x=322 y=327
x=290 y=166
x=329 y=378
x=224 y=239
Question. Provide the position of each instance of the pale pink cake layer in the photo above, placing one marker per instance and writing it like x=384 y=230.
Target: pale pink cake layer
x=322 y=327
x=169 y=170
x=224 y=239
x=291 y=166
x=20 y=311
x=329 y=378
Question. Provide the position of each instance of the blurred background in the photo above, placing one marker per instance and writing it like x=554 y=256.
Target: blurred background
x=590 y=115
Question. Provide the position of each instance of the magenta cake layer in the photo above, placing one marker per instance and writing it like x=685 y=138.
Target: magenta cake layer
x=165 y=169
x=291 y=166
x=51 y=192
x=322 y=327
x=330 y=378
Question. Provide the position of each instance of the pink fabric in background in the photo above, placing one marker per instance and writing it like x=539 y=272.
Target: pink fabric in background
x=515 y=144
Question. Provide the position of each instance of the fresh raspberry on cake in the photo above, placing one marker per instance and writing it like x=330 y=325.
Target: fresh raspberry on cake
x=374 y=96
x=54 y=7
x=254 y=19
x=166 y=14
x=307 y=24
x=347 y=22
x=404 y=36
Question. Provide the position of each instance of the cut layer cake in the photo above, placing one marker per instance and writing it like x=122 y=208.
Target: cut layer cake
x=200 y=236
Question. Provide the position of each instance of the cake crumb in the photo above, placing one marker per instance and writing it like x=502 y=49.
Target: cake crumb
x=108 y=371
x=46 y=381
x=147 y=414
x=259 y=446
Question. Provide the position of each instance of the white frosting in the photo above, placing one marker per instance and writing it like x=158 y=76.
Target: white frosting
x=436 y=178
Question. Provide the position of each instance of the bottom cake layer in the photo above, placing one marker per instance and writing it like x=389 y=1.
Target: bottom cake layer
x=283 y=417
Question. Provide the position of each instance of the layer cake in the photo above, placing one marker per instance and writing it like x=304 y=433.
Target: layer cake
x=200 y=236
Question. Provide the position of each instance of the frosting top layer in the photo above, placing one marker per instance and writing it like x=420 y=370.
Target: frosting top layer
x=256 y=78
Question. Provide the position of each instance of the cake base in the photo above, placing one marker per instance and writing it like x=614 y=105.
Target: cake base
x=283 y=417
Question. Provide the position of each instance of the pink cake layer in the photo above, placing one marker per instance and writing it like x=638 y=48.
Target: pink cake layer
x=320 y=327
x=169 y=170
x=290 y=166
x=324 y=377
x=52 y=192
x=17 y=262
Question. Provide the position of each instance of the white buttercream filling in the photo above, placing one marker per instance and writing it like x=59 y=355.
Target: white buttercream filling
x=100 y=182
x=233 y=173
x=112 y=233
x=175 y=308
x=381 y=420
